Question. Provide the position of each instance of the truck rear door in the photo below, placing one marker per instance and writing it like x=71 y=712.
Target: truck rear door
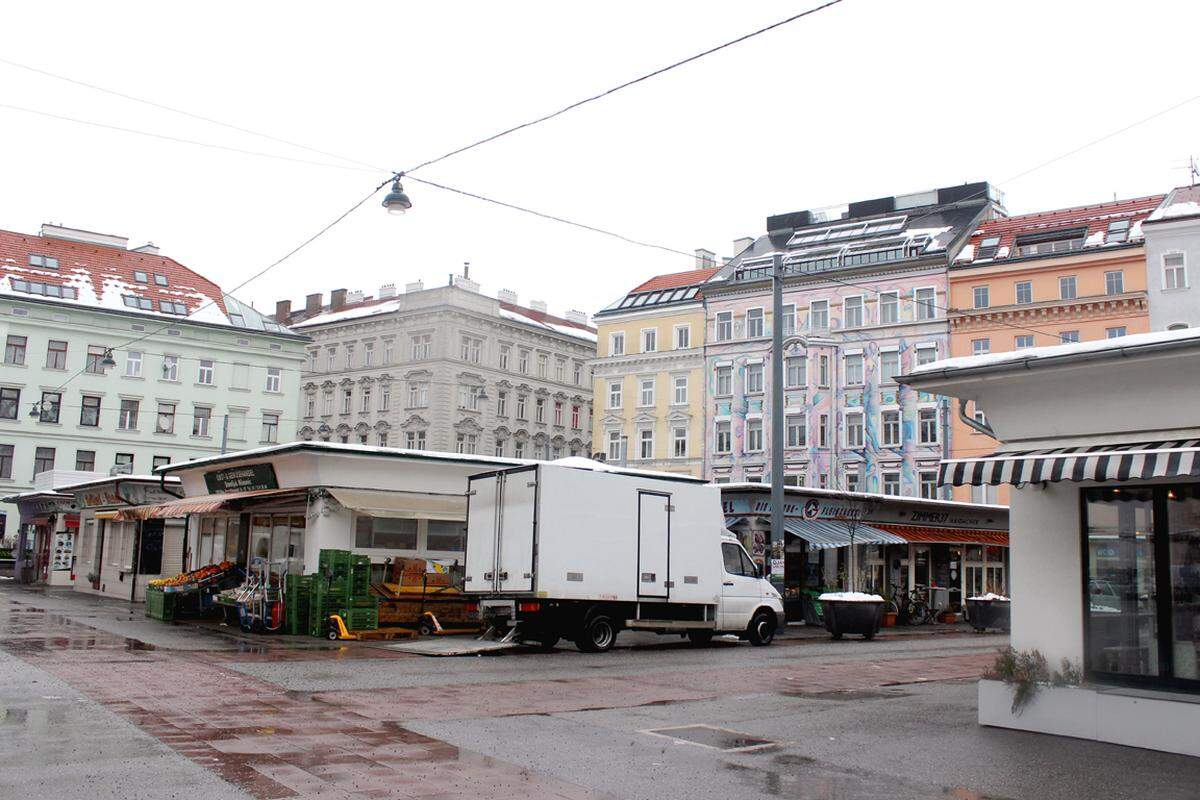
x=518 y=518
x=482 y=526
x=654 y=544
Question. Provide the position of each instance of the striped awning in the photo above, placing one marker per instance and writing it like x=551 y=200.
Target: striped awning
x=927 y=534
x=824 y=533
x=1113 y=462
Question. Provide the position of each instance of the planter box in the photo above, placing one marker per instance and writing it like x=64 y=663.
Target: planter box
x=984 y=614
x=863 y=618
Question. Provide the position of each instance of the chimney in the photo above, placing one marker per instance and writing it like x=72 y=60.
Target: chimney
x=463 y=282
x=149 y=248
x=577 y=316
x=337 y=299
x=538 y=305
x=283 y=310
x=312 y=304
x=742 y=244
x=705 y=258
x=467 y=270
x=52 y=231
x=507 y=296
x=355 y=296
x=387 y=290
x=415 y=286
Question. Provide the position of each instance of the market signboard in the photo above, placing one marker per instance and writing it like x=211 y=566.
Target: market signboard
x=878 y=509
x=245 y=478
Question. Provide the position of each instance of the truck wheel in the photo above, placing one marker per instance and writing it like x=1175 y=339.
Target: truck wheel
x=700 y=638
x=598 y=635
x=546 y=640
x=762 y=629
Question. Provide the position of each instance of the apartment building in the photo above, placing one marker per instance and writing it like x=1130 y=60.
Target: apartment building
x=446 y=369
x=1060 y=276
x=865 y=293
x=1172 y=234
x=649 y=373
x=119 y=360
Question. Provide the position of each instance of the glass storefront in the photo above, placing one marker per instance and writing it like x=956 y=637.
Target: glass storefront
x=1142 y=564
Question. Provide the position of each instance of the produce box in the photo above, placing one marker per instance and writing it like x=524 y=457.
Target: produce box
x=160 y=605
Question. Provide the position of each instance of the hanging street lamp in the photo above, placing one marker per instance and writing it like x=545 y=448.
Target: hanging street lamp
x=397 y=201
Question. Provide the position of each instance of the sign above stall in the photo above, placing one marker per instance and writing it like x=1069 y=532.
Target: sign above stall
x=245 y=478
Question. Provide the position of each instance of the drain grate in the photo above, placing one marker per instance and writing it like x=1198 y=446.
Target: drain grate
x=712 y=737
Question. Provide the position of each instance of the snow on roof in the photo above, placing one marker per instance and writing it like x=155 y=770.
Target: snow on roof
x=351 y=312
x=579 y=462
x=74 y=487
x=343 y=448
x=1055 y=351
x=1181 y=202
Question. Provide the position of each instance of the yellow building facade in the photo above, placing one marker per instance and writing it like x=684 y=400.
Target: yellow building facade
x=649 y=376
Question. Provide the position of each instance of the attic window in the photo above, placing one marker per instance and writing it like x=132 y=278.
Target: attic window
x=161 y=280
x=1118 y=231
x=140 y=303
x=237 y=319
x=45 y=289
x=45 y=262
x=988 y=247
x=1037 y=244
x=171 y=307
x=140 y=277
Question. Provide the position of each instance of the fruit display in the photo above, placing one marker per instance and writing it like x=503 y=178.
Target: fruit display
x=195 y=577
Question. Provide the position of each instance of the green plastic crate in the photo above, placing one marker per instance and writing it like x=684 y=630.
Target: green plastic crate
x=161 y=605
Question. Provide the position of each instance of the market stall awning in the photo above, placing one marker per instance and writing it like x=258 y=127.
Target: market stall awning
x=924 y=534
x=409 y=505
x=197 y=505
x=824 y=533
x=1115 y=462
x=731 y=521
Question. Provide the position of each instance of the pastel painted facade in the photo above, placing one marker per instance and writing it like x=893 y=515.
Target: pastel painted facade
x=1075 y=274
x=649 y=375
x=865 y=293
x=1173 y=261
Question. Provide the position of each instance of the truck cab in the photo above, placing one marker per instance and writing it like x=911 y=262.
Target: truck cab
x=743 y=592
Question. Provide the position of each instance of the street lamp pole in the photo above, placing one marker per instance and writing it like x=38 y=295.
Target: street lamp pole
x=776 y=533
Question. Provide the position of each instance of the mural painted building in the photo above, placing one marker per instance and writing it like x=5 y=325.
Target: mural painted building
x=649 y=374
x=1053 y=277
x=865 y=293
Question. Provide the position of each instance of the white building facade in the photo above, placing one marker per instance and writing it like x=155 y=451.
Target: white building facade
x=119 y=360
x=1172 y=259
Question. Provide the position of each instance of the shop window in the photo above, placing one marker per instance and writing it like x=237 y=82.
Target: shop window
x=446 y=535
x=385 y=533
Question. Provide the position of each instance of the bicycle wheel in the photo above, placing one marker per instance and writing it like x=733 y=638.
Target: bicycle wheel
x=919 y=614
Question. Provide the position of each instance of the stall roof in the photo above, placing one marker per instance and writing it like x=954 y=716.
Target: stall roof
x=825 y=533
x=38 y=494
x=150 y=479
x=794 y=491
x=197 y=505
x=404 y=504
x=924 y=534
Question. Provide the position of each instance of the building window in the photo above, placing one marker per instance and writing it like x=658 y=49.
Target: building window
x=724 y=437
x=891 y=483
x=681 y=390
x=165 y=422
x=1066 y=287
x=159 y=461
x=331 y=362
x=1069 y=337
x=889 y=308
x=44 y=262
x=170 y=368
x=925 y=301
x=205 y=373
x=201 y=417
x=854 y=369
x=754 y=436
x=823 y=430
x=123 y=462
x=470 y=349
x=852 y=479
x=795 y=372
x=422 y=346
x=543 y=362
x=823 y=372
x=1024 y=292
x=327 y=403
x=679 y=442
x=724 y=326
x=1023 y=342
x=388 y=351
x=560 y=370
x=49 y=407
x=854 y=429
x=414 y=440
x=127 y=417
x=980 y=296
x=505 y=352
x=270 y=428
x=754 y=378
x=614 y=445
x=1174 y=271
x=85 y=460
x=418 y=395
x=614 y=396
x=89 y=412
x=466 y=443
x=578 y=373
x=575 y=417
x=523 y=359
x=927 y=427
x=56 y=354
x=385 y=397
x=347 y=399
x=364 y=400
x=368 y=354
x=890 y=428
x=1114 y=282
x=1113 y=333
x=649 y=340
x=558 y=408
x=14 y=350
x=10 y=402
x=980 y=346
x=349 y=357
x=818 y=315
x=797 y=430
x=274 y=379
x=447 y=536
x=6 y=461
x=852 y=308
x=501 y=404
x=521 y=406
x=646 y=389
x=616 y=345
x=889 y=366
x=724 y=381
x=1118 y=232
x=929 y=484
x=646 y=444
x=789 y=319
x=133 y=364
x=1055 y=242
x=926 y=354
x=43 y=460
x=755 y=327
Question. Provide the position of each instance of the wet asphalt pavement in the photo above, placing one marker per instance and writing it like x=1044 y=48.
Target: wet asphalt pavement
x=96 y=702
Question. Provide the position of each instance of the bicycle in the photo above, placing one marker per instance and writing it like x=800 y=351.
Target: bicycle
x=921 y=611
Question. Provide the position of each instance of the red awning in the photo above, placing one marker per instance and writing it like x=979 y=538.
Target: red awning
x=196 y=505
x=921 y=534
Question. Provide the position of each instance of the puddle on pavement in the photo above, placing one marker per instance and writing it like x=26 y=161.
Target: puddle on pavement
x=848 y=694
x=712 y=737
x=800 y=777
x=35 y=718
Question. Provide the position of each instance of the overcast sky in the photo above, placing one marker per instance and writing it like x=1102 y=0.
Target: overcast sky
x=864 y=99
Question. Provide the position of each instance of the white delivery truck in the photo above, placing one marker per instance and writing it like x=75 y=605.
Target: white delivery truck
x=582 y=550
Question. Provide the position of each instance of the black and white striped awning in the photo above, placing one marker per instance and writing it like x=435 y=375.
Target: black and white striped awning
x=1111 y=462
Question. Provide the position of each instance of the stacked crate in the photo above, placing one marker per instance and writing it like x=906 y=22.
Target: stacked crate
x=160 y=604
x=342 y=586
x=296 y=618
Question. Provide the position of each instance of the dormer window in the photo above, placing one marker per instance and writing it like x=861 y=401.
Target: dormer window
x=140 y=303
x=1118 y=232
x=1037 y=244
x=45 y=262
x=140 y=277
x=171 y=307
x=160 y=279
x=988 y=247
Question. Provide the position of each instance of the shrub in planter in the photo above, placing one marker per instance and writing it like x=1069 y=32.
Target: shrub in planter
x=1026 y=672
x=852 y=612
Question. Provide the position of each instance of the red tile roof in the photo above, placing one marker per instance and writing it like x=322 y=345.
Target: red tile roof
x=544 y=318
x=676 y=280
x=102 y=274
x=921 y=533
x=1095 y=218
